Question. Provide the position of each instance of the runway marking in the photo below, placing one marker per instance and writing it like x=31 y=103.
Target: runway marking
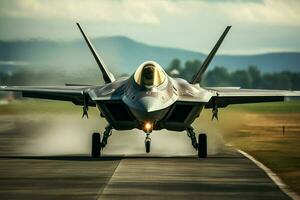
x=273 y=176
x=107 y=184
x=100 y=192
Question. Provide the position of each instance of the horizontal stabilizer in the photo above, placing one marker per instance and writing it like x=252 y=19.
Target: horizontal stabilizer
x=76 y=84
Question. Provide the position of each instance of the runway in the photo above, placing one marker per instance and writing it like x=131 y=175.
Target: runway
x=226 y=175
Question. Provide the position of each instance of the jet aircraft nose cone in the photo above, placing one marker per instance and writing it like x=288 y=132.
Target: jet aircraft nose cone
x=149 y=104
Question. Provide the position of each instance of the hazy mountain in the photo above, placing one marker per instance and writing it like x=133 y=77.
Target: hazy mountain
x=122 y=55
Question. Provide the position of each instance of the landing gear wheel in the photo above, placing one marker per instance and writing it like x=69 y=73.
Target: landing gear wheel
x=96 y=145
x=147 y=145
x=202 y=145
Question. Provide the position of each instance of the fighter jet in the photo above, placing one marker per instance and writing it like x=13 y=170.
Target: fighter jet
x=150 y=99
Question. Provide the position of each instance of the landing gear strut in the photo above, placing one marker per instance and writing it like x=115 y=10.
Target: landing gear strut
x=107 y=133
x=147 y=143
x=191 y=134
x=201 y=146
x=97 y=144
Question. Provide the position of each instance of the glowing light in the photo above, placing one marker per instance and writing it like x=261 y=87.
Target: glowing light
x=148 y=127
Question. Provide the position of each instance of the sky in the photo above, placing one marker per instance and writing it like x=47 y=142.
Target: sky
x=258 y=26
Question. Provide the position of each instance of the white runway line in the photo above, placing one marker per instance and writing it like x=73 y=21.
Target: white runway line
x=101 y=191
x=283 y=187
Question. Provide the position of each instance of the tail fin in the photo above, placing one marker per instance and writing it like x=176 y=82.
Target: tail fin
x=107 y=75
x=198 y=76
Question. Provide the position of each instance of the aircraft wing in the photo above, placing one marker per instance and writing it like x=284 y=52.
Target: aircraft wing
x=73 y=94
x=223 y=97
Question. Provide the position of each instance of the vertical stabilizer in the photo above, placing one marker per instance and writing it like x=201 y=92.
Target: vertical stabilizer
x=107 y=75
x=198 y=76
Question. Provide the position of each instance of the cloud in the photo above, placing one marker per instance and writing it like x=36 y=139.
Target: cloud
x=190 y=24
x=92 y=10
x=152 y=12
x=273 y=12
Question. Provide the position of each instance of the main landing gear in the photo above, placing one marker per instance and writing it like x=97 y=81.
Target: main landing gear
x=97 y=144
x=201 y=146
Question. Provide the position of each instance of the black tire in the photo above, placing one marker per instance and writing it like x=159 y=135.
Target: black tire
x=202 y=145
x=96 y=145
x=147 y=145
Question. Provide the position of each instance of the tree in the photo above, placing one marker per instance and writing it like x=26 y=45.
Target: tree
x=294 y=79
x=241 y=78
x=190 y=69
x=218 y=76
x=255 y=77
x=174 y=68
x=277 y=81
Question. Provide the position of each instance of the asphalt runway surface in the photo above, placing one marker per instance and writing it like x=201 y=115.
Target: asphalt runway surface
x=225 y=175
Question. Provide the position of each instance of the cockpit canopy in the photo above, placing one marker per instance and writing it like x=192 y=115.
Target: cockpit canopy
x=149 y=74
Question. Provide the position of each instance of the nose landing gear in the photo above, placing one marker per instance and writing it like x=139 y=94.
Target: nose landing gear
x=201 y=146
x=147 y=143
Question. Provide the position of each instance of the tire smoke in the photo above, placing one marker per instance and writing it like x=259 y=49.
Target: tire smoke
x=70 y=135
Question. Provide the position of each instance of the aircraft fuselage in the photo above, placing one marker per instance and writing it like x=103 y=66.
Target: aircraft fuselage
x=169 y=105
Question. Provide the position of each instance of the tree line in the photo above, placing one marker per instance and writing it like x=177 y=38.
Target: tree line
x=216 y=76
x=251 y=77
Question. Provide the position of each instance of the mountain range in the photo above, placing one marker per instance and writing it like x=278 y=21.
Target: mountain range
x=123 y=55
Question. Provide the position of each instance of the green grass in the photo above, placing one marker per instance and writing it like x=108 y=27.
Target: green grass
x=278 y=152
x=272 y=107
x=41 y=107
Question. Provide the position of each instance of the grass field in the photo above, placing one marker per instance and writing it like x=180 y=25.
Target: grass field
x=42 y=106
x=258 y=130
x=254 y=128
x=274 y=107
